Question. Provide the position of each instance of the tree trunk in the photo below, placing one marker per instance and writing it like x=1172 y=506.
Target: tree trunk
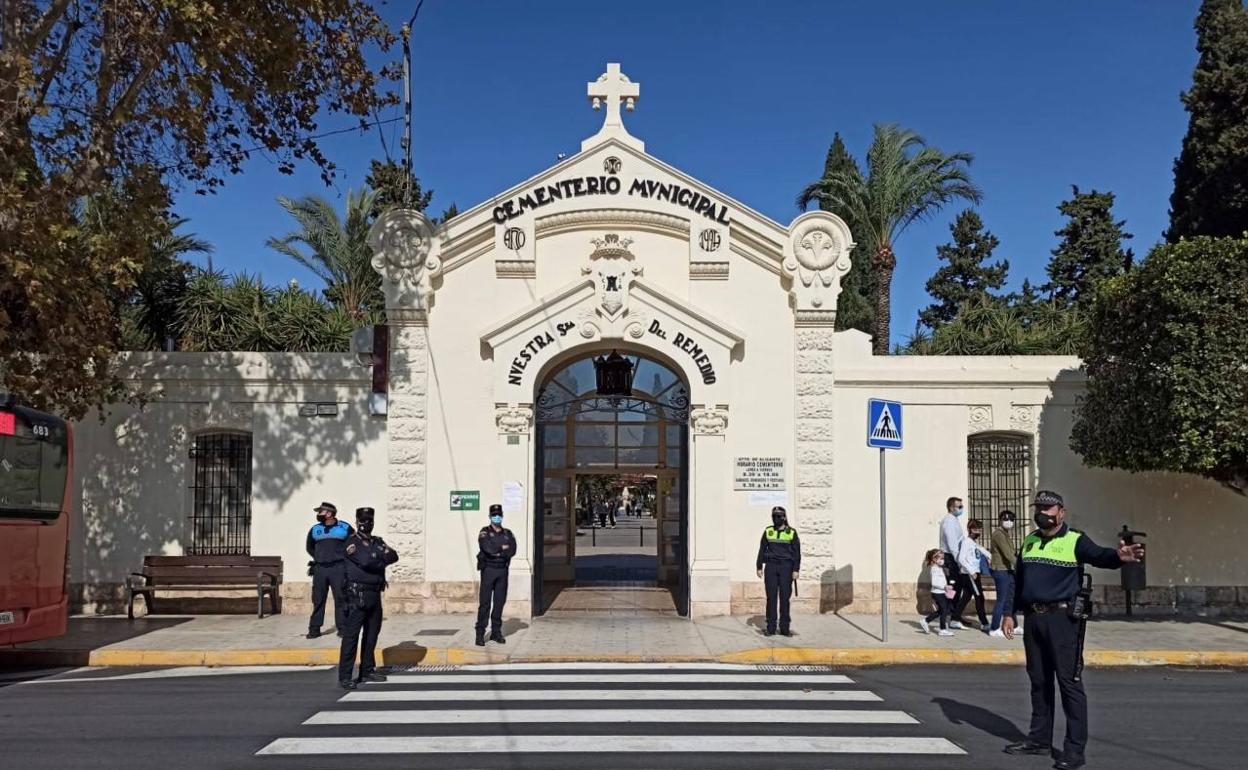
x=884 y=261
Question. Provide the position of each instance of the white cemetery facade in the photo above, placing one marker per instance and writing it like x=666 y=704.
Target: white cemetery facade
x=742 y=397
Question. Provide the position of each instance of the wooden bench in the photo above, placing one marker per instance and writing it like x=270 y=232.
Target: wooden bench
x=207 y=573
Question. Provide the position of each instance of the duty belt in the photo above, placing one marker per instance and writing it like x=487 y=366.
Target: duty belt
x=1043 y=608
x=329 y=563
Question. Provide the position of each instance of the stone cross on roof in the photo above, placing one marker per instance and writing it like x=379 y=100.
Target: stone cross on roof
x=613 y=88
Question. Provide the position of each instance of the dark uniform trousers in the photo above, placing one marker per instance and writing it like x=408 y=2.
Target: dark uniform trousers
x=327 y=578
x=493 y=593
x=1051 y=645
x=778 y=580
x=363 y=613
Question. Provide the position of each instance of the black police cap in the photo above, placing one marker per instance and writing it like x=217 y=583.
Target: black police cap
x=496 y=509
x=326 y=506
x=779 y=509
x=1045 y=498
x=363 y=513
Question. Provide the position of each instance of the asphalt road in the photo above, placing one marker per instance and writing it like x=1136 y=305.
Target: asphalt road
x=909 y=718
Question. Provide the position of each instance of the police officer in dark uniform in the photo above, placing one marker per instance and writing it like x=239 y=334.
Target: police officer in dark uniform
x=496 y=545
x=779 y=562
x=366 y=560
x=1048 y=576
x=326 y=543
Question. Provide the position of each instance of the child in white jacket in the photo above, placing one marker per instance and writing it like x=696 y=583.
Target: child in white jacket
x=935 y=561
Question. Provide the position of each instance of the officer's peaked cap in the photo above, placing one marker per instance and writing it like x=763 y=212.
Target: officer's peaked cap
x=326 y=506
x=363 y=513
x=779 y=509
x=1045 y=498
x=496 y=509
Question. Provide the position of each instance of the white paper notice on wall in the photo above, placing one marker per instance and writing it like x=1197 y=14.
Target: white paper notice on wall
x=513 y=497
x=768 y=499
x=758 y=473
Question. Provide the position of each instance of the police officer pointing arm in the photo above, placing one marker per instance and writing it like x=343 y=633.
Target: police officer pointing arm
x=1049 y=572
x=367 y=558
x=779 y=562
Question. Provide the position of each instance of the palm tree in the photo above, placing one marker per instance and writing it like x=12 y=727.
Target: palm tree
x=336 y=251
x=152 y=310
x=906 y=181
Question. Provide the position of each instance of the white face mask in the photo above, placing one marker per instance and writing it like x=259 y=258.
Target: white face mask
x=1007 y=525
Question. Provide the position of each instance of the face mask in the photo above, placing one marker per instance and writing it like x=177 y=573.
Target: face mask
x=496 y=519
x=1045 y=520
x=365 y=526
x=777 y=521
x=974 y=535
x=1007 y=525
x=320 y=517
x=959 y=511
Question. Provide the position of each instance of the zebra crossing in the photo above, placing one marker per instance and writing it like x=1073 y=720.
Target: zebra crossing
x=664 y=711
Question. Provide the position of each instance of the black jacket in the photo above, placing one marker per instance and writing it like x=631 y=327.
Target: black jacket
x=491 y=551
x=367 y=559
x=777 y=552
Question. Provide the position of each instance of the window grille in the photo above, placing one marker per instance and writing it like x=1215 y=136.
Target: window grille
x=999 y=466
x=221 y=500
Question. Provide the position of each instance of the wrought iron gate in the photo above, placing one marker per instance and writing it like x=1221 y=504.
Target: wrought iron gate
x=1000 y=478
x=221 y=494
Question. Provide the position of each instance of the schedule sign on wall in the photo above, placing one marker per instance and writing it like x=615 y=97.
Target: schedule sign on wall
x=755 y=473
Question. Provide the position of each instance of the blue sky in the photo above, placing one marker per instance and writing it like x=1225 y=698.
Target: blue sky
x=746 y=96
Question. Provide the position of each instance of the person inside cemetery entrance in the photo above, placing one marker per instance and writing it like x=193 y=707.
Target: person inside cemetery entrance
x=779 y=562
x=951 y=537
x=496 y=546
x=326 y=543
x=367 y=557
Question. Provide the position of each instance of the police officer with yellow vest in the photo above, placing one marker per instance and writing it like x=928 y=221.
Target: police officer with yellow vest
x=1048 y=577
x=779 y=561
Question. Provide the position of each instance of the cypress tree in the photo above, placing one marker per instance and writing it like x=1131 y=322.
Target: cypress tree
x=1090 y=250
x=855 y=308
x=966 y=275
x=1211 y=173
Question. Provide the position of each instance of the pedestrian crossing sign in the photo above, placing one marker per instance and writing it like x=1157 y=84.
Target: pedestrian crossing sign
x=883 y=424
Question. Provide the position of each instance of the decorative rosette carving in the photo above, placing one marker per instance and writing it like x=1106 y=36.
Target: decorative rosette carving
x=513 y=419
x=404 y=253
x=709 y=421
x=817 y=258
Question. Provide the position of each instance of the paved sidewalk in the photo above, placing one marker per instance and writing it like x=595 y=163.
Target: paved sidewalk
x=443 y=639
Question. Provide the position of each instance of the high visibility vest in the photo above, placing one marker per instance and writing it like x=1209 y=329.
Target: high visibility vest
x=774 y=535
x=1058 y=552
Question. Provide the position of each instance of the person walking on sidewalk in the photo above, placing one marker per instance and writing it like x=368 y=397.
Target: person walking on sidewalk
x=326 y=543
x=1002 y=568
x=935 y=561
x=367 y=557
x=973 y=563
x=1049 y=576
x=951 y=537
x=495 y=548
x=779 y=562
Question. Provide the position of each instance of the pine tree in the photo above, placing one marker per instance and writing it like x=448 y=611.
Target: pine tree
x=1211 y=173
x=966 y=276
x=1090 y=250
x=388 y=179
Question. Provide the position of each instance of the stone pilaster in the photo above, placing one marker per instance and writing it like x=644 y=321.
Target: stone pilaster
x=710 y=582
x=813 y=412
x=406 y=431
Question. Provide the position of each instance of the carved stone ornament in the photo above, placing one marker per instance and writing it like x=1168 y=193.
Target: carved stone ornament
x=513 y=419
x=610 y=265
x=404 y=253
x=817 y=258
x=709 y=421
x=1023 y=418
x=979 y=419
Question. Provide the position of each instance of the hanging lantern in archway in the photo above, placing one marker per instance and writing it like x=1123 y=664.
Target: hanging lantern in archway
x=614 y=374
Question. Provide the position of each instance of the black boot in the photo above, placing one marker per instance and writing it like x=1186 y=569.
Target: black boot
x=497 y=636
x=480 y=638
x=347 y=684
x=1028 y=747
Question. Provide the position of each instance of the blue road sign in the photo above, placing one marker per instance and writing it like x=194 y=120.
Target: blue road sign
x=883 y=424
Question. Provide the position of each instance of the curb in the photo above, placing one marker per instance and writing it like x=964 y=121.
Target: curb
x=864 y=656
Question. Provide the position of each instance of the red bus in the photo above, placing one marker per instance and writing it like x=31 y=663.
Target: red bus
x=36 y=451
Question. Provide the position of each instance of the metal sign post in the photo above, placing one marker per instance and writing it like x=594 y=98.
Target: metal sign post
x=883 y=432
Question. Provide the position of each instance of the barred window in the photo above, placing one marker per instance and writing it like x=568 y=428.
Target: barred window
x=221 y=500
x=999 y=466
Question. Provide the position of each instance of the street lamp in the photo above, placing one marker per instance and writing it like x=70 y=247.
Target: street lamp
x=614 y=375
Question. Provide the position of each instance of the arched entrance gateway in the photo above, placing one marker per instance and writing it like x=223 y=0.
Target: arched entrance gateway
x=611 y=486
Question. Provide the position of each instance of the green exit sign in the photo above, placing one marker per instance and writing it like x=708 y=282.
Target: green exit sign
x=465 y=500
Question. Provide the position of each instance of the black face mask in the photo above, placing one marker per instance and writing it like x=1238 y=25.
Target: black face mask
x=365 y=526
x=778 y=521
x=1045 y=520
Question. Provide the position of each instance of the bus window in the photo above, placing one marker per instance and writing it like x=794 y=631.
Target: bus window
x=34 y=467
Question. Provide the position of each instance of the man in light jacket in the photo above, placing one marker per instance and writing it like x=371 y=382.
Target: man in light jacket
x=951 y=538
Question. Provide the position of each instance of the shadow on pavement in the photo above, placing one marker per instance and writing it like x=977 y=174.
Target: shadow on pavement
x=959 y=713
x=408 y=653
x=83 y=636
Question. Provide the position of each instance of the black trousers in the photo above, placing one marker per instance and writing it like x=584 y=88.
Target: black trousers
x=493 y=593
x=327 y=578
x=1052 y=647
x=778 y=580
x=968 y=589
x=363 y=615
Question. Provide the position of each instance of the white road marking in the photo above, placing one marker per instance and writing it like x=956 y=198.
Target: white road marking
x=766 y=745
x=380 y=695
x=796 y=680
x=609 y=716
